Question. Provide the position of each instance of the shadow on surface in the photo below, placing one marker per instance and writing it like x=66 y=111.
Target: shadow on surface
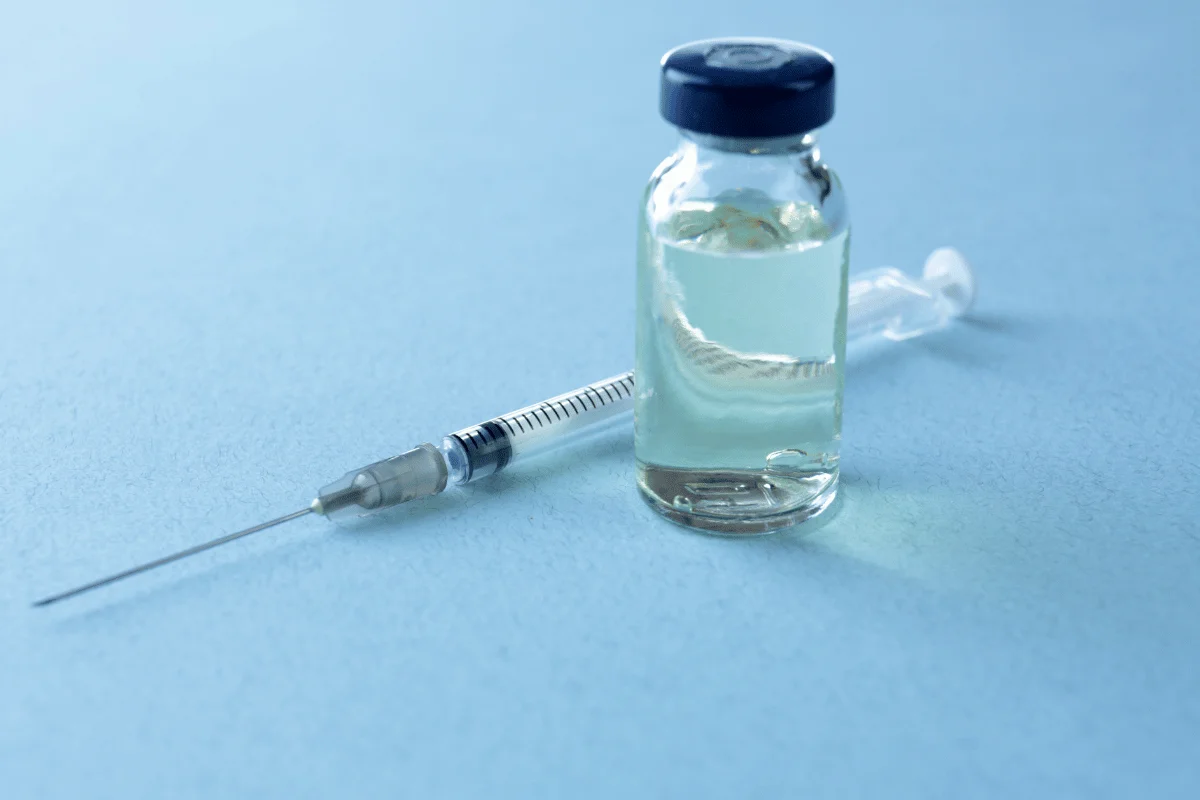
x=612 y=449
x=125 y=596
x=1011 y=325
x=820 y=560
x=965 y=344
x=978 y=341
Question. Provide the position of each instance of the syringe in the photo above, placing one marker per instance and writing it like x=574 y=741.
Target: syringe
x=883 y=302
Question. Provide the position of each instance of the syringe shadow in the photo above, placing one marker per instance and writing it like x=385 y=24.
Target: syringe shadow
x=970 y=343
x=612 y=449
x=241 y=571
x=966 y=343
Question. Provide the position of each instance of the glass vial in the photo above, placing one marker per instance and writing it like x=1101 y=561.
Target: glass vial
x=741 y=292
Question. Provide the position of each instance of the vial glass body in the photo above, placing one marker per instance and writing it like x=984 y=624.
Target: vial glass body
x=741 y=333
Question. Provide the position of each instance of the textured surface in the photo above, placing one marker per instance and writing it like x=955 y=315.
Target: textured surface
x=225 y=232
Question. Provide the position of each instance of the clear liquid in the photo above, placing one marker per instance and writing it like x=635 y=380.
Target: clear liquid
x=741 y=344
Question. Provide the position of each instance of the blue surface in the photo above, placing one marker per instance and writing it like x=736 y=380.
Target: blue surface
x=227 y=229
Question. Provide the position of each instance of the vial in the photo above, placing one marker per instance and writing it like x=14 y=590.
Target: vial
x=741 y=292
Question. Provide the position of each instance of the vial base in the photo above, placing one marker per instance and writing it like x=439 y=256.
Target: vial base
x=736 y=502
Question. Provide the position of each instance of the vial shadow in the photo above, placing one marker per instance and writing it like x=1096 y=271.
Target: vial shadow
x=811 y=561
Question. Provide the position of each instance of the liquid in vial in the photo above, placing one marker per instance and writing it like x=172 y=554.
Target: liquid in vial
x=741 y=347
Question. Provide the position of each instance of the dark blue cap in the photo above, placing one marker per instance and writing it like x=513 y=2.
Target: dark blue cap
x=747 y=88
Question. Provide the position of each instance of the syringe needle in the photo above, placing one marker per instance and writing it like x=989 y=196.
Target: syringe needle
x=191 y=551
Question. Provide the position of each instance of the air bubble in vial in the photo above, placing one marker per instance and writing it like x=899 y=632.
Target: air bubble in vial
x=789 y=460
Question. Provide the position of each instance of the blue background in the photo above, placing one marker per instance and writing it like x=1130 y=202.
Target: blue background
x=246 y=246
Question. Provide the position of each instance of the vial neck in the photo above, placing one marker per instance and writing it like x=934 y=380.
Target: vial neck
x=803 y=145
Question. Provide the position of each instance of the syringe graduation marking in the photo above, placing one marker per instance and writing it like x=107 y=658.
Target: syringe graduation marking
x=490 y=443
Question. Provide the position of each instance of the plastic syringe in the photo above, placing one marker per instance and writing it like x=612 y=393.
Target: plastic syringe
x=881 y=303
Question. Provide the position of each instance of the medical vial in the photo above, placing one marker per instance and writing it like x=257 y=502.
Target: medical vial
x=741 y=292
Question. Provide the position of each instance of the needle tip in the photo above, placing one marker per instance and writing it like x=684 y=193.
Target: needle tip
x=173 y=557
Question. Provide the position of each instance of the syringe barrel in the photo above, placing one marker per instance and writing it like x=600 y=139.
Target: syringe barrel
x=481 y=450
x=886 y=302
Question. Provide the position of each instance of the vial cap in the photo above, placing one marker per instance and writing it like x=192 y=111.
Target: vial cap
x=747 y=87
